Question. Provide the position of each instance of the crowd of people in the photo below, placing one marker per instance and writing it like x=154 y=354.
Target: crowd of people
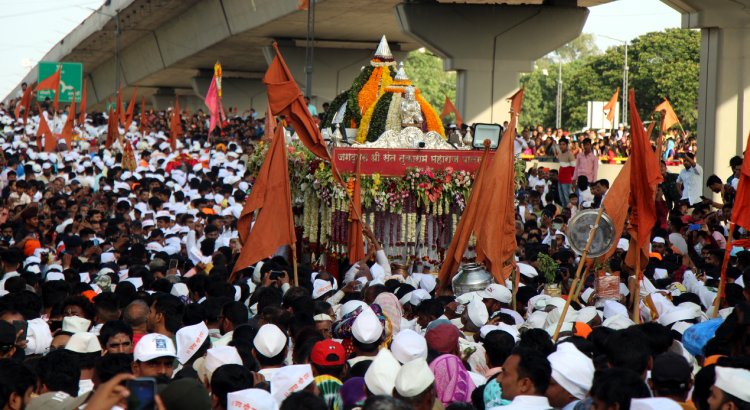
x=111 y=275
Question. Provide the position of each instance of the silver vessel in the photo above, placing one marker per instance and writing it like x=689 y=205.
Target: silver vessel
x=471 y=278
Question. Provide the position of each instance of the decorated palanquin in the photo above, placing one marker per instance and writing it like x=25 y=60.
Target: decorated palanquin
x=414 y=184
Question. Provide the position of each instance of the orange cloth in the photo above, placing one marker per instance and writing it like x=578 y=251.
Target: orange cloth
x=741 y=208
x=645 y=175
x=496 y=235
x=175 y=125
x=30 y=246
x=271 y=196
x=26 y=104
x=89 y=294
x=581 y=329
x=67 y=131
x=356 y=243
x=285 y=98
x=51 y=83
x=112 y=130
x=448 y=108
x=466 y=225
x=131 y=109
x=50 y=141
x=611 y=106
x=120 y=111
x=142 y=125
x=670 y=118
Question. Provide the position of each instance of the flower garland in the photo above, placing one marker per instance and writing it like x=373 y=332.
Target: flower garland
x=336 y=104
x=370 y=91
x=434 y=123
x=364 y=125
x=352 y=106
x=393 y=119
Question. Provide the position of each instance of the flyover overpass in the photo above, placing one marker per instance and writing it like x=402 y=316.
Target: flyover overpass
x=170 y=46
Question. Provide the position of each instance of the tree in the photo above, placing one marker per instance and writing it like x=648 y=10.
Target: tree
x=426 y=72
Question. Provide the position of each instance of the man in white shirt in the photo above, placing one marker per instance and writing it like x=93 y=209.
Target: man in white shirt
x=690 y=180
x=525 y=378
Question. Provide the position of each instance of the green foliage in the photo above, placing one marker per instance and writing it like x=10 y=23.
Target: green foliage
x=426 y=72
x=379 y=117
x=661 y=65
x=547 y=266
x=352 y=107
x=335 y=105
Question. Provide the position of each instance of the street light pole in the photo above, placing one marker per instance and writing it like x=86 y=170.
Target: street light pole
x=558 y=114
x=117 y=51
x=625 y=70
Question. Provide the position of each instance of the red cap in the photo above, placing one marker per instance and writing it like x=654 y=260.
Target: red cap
x=328 y=353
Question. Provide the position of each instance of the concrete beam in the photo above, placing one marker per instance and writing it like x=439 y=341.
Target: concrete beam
x=333 y=69
x=489 y=46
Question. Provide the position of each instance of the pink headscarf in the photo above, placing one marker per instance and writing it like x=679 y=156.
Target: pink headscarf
x=391 y=309
x=452 y=380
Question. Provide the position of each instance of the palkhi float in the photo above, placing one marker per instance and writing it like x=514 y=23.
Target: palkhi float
x=414 y=180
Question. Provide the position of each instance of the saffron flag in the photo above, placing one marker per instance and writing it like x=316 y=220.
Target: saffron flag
x=44 y=131
x=496 y=235
x=645 y=175
x=175 y=125
x=82 y=119
x=67 y=131
x=611 y=106
x=52 y=83
x=356 y=244
x=113 y=131
x=466 y=226
x=448 y=108
x=270 y=126
x=271 y=197
x=213 y=102
x=669 y=118
x=131 y=110
x=144 y=118
x=119 y=109
x=741 y=208
x=285 y=98
x=25 y=103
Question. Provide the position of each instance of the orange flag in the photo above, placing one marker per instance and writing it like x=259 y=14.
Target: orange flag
x=43 y=130
x=496 y=235
x=131 y=109
x=175 y=125
x=644 y=176
x=741 y=208
x=67 y=131
x=144 y=118
x=112 y=129
x=356 y=243
x=285 y=98
x=448 y=108
x=82 y=119
x=611 y=106
x=466 y=226
x=52 y=83
x=25 y=103
x=670 y=118
x=270 y=126
x=271 y=197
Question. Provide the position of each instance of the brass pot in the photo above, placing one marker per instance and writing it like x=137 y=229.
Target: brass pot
x=553 y=289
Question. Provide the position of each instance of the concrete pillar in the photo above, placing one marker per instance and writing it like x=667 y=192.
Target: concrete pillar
x=724 y=91
x=243 y=93
x=334 y=69
x=163 y=98
x=489 y=46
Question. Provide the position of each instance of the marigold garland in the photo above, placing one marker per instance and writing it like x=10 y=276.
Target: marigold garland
x=364 y=125
x=385 y=82
x=430 y=116
x=370 y=91
x=352 y=106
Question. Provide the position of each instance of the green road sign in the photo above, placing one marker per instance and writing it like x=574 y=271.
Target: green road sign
x=71 y=80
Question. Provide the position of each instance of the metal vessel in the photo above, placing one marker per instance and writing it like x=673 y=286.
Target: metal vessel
x=581 y=225
x=471 y=277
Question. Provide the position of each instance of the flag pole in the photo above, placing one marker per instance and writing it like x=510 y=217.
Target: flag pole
x=723 y=277
x=581 y=282
x=637 y=287
x=577 y=278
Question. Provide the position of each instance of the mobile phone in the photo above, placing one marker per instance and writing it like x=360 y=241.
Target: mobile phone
x=358 y=286
x=275 y=274
x=142 y=393
x=694 y=227
x=173 y=264
x=21 y=326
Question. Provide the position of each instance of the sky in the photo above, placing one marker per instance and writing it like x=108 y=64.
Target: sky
x=29 y=28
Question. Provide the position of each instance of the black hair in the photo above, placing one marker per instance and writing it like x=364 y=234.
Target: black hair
x=171 y=307
x=704 y=379
x=431 y=308
x=385 y=403
x=657 y=336
x=713 y=179
x=534 y=365
x=539 y=340
x=112 y=328
x=193 y=314
x=618 y=387
x=82 y=302
x=230 y=378
x=303 y=400
x=59 y=371
x=16 y=378
x=498 y=345
x=235 y=312
x=627 y=350
x=112 y=364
